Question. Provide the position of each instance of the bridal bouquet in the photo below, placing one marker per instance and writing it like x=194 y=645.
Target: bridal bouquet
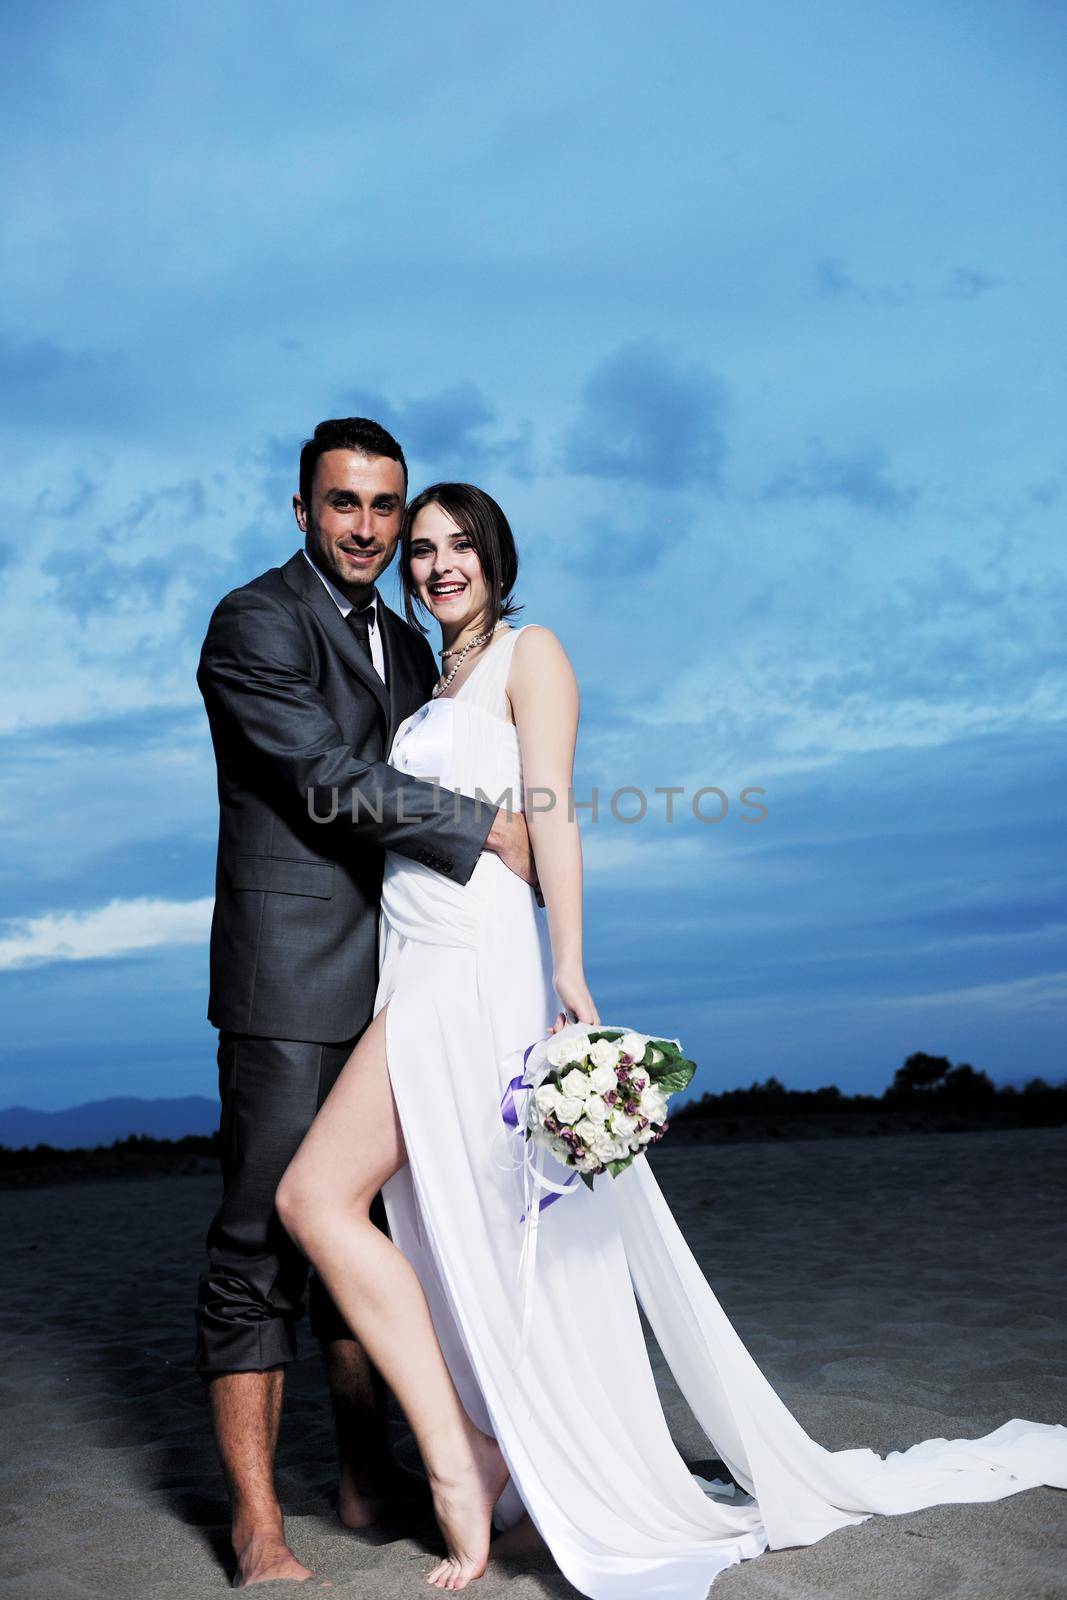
x=597 y=1096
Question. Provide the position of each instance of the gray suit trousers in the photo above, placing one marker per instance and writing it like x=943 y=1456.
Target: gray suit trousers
x=250 y=1296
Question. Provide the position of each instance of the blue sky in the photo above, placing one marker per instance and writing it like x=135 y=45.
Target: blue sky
x=749 y=315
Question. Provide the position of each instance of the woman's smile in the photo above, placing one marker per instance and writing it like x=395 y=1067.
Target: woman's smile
x=444 y=590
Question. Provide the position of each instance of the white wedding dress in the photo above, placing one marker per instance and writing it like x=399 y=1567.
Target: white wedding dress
x=466 y=972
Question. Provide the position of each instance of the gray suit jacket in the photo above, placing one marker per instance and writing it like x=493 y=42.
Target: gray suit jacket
x=300 y=721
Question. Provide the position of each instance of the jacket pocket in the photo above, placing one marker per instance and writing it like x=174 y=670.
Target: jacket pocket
x=281 y=875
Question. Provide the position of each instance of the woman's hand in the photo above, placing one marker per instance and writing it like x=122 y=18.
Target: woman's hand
x=572 y=990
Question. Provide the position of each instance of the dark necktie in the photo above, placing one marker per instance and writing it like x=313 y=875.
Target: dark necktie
x=359 y=622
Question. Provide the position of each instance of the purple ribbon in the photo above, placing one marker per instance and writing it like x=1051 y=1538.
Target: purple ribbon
x=509 y=1111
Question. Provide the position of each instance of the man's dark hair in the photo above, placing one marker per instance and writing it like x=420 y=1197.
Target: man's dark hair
x=346 y=433
x=478 y=514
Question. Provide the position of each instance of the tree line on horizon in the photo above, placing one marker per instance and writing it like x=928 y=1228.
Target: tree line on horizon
x=924 y=1083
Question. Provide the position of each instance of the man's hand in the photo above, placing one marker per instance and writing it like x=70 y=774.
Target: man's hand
x=509 y=838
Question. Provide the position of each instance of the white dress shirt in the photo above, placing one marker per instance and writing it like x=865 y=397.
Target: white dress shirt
x=344 y=606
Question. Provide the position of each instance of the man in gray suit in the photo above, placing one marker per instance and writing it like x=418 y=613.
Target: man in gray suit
x=305 y=676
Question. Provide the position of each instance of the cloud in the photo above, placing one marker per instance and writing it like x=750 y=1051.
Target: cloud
x=962 y=283
x=860 y=476
x=131 y=809
x=41 y=382
x=99 y=583
x=1044 y=993
x=117 y=929
x=1046 y=493
x=647 y=416
x=186 y=501
x=158 y=559
x=451 y=431
x=27 y=362
x=66 y=496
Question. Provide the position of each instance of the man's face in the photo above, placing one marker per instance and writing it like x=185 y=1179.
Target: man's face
x=353 y=522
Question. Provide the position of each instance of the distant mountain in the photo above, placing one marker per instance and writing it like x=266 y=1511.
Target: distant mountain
x=103 y=1121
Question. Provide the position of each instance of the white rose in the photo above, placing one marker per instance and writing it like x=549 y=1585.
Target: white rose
x=547 y=1099
x=654 y=1104
x=557 y=1051
x=622 y=1125
x=606 y=1148
x=587 y=1131
x=657 y=1055
x=603 y=1078
x=633 y=1044
x=575 y=1084
x=603 y=1053
x=569 y=1046
x=569 y=1109
x=596 y=1110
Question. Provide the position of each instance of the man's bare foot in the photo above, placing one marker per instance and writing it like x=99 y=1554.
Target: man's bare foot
x=360 y=1503
x=521 y=1539
x=464 y=1511
x=266 y=1558
x=388 y=1490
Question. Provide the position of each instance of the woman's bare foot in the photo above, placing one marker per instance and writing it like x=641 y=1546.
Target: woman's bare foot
x=521 y=1539
x=266 y=1558
x=464 y=1510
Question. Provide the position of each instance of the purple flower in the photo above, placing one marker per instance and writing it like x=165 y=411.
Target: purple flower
x=622 y=1074
x=611 y=1097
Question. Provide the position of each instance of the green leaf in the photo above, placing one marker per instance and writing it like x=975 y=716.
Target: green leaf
x=605 y=1033
x=678 y=1076
x=587 y=1179
x=615 y=1167
x=668 y=1054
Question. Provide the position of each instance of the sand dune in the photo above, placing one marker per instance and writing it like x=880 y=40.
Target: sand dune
x=892 y=1290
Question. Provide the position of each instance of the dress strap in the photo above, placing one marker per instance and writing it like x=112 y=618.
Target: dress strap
x=487 y=685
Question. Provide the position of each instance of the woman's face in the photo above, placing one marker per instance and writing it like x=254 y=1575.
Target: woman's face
x=445 y=569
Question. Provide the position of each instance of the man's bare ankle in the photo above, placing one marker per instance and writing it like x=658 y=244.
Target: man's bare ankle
x=258 y=1526
x=267 y=1558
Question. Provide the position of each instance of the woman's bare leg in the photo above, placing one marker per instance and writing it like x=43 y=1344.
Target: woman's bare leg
x=353 y=1146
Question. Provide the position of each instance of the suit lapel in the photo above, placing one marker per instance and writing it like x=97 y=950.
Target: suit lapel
x=390 y=655
x=305 y=582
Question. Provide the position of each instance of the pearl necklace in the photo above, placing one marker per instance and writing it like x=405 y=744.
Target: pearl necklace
x=442 y=684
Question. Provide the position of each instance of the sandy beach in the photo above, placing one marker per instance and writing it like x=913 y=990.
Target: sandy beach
x=892 y=1290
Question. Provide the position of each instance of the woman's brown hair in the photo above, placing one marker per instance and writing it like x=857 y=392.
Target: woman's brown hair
x=478 y=514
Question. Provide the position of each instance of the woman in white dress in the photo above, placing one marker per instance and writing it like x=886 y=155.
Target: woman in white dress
x=569 y=1443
